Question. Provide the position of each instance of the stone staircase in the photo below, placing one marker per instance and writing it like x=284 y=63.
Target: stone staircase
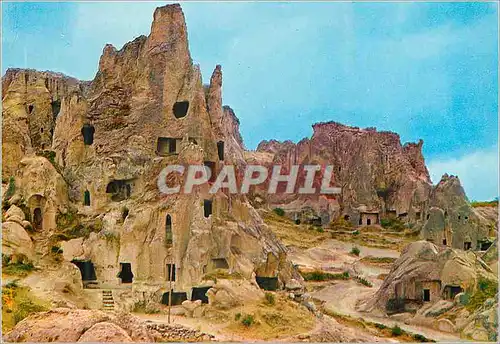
x=108 y=304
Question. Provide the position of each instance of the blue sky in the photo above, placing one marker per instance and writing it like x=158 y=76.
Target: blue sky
x=423 y=70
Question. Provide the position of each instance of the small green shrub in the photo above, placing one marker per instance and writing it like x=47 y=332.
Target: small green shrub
x=356 y=232
x=279 y=211
x=270 y=299
x=248 y=320
x=393 y=223
x=237 y=316
x=11 y=189
x=396 y=331
x=24 y=308
x=380 y=326
x=18 y=269
x=320 y=229
x=486 y=289
x=56 y=250
x=420 y=338
x=363 y=281
x=355 y=251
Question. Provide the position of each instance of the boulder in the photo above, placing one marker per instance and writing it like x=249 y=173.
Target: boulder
x=16 y=242
x=445 y=325
x=105 y=332
x=193 y=308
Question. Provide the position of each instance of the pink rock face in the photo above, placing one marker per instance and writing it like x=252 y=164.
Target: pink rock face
x=374 y=170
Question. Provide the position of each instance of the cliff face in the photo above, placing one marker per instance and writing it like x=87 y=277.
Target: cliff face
x=376 y=173
x=145 y=109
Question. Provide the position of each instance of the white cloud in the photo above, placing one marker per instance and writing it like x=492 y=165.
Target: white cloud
x=478 y=172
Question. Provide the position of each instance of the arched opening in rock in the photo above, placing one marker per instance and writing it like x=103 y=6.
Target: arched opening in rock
x=207 y=208
x=87 y=270
x=86 y=198
x=88 y=134
x=444 y=242
x=56 y=107
x=30 y=109
x=467 y=245
x=347 y=217
x=170 y=272
x=177 y=298
x=220 y=263
x=220 y=150
x=267 y=283
x=180 y=109
x=38 y=219
x=126 y=274
x=200 y=293
x=120 y=189
x=168 y=230
x=210 y=166
x=166 y=146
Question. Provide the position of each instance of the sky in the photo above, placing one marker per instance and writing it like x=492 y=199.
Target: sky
x=424 y=70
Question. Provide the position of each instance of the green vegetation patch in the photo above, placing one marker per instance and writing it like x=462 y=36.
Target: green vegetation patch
x=318 y=276
x=486 y=289
x=18 y=268
x=279 y=211
x=393 y=224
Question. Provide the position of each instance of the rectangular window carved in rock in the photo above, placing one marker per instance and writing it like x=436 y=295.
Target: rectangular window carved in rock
x=207 y=208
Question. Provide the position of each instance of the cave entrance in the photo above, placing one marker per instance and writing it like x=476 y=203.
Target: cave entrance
x=220 y=150
x=207 y=208
x=38 y=218
x=88 y=134
x=267 y=283
x=126 y=274
x=180 y=109
x=368 y=222
x=168 y=230
x=166 y=146
x=450 y=291
x=444 y=242
x=467 y=245
x=177 y=298
x=484 y=245
x=171 y=272
x=120 y=189
x=426 y=295
x=86 y=268
x=86 y=198
x=220 y=263
x=200 y=293
x=30 y=109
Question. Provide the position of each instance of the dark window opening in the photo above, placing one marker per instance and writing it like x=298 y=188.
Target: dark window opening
x=297 y=222
x=445 y=214
x=86 y=198
x=360 y=222
x=37 y=218
x=220 y=263
x=166 y=146
x=168 y=230
x=125 y=212
x=177 y=298
x=200 y=293
x=347 y=217
x=444 y=242
x=170 y=272
x=120 y=190
x=417 y=215
x=466 y=217
x=368 y=221
x=30 y=108
x=211 y=166
x=267 y=283
x=41 y=130
x=459 y=217
x=88 y=134
x=426 y=295
x=193 y=140
x=207 y=208
x=485 y=245
x=428 y=215
x=56 y=107
x=452 y=291
x=467 y=245
x=86 y=268
x=220 y=150
x=180 y=109
x=126 y=274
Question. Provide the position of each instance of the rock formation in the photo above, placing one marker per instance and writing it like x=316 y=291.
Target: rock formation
x=86 y=156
